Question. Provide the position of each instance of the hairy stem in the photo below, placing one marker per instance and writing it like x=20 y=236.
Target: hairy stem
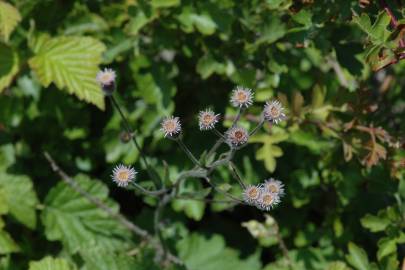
x=259 y=126
x=236 y=175
x=188 y=152
x=128 y=128
x=237 y=117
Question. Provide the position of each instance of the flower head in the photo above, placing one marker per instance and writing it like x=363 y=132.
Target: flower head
x=171 y=126
x=123 y=175
x=274 y=186
x=106 y=79
x=267 y=200
x=237 y=136
x=207 y=119
x=241 y=97
x=251 y=194
x=274 y=111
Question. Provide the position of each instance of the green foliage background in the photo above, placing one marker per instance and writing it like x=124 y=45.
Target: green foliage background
x=333 y=64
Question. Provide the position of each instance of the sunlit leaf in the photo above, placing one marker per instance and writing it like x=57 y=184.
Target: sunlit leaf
x=71 y=63
x=9 y=18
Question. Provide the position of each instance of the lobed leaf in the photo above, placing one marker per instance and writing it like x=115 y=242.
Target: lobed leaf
x=71 y=63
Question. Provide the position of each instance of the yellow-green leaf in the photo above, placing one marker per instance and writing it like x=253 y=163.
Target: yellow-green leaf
x=9 y=18
x=71 y=63
x=8 y=65
x=49 y=263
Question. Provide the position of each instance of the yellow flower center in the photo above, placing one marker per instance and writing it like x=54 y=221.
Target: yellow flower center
x=123 y=176
x=170 y=125
x=241 y=96
x=106 y=77
x=272 y=188
x=207 y=119
x=252 y=193
x=267 y=199
x=275 y=112
x=239 y=135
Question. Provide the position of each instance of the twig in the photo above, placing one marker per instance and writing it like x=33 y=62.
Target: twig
x=120 y=218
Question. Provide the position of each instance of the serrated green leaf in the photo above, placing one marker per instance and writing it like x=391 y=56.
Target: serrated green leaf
x=96 y=258
x=199 y=253
x=72 y=64
x=374 y=223
x=377 y=32
x=49 y=263
x=20 y=197
x=9 y=65
x=9 y=18
x=78 y=223
x=357 y=257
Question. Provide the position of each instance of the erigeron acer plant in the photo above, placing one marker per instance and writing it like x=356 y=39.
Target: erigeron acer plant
x=264 y=196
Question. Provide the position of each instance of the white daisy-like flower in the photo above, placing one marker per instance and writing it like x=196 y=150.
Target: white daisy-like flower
x=123 y=175
x=251 y=194
x=267 y=200
x=207 y=119
x=237 y=136
x=274 y=111
x=106 y=79
x=241 y=97
x=171 y=126
x=274 y=186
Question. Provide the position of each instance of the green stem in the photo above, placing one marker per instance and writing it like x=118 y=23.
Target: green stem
x=188 y=152
x=236 y=174
x=235 y=121
x=259 y=125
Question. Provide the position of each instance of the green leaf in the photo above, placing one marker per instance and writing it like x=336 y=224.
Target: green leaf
x=72 y=64
x=204 y=23
x=78 y=223
x=20 y=197
x=338 y=266
x=164 y=3
x=377 y=32
x=199 y=253
x=49 y=263
x=386 y=246
x=375 y=223
x=7 y=244
x=9 y=18
x=269 y=152
x=9 y=65
x=96 y=258
x=357 y=257
x=193 y=209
